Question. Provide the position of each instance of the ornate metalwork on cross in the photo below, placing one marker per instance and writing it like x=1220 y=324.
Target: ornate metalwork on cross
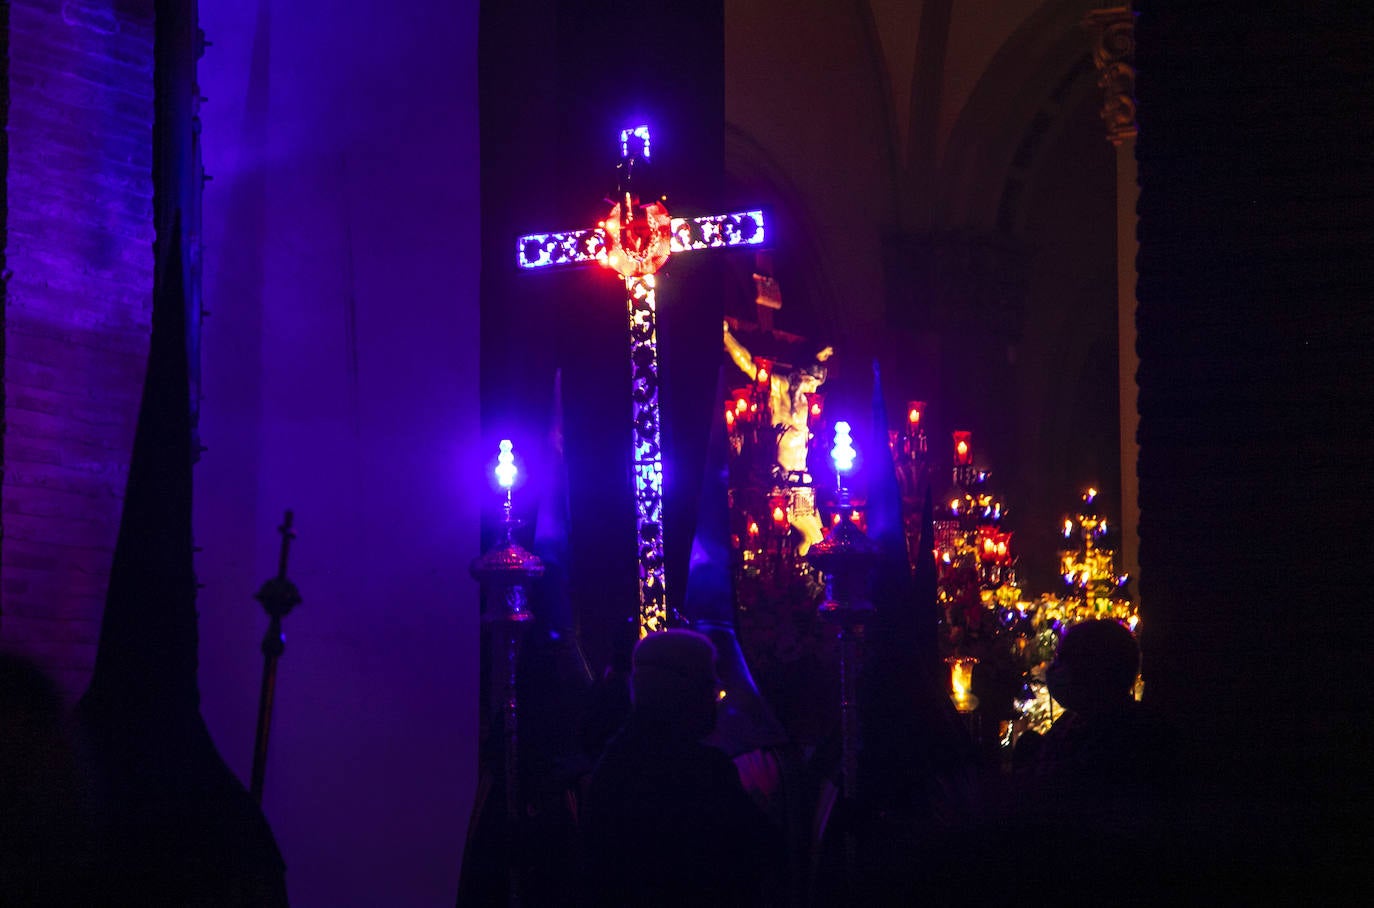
x=636 y=239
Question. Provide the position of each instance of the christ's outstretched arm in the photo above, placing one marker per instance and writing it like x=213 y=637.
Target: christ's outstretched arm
x=739 y=354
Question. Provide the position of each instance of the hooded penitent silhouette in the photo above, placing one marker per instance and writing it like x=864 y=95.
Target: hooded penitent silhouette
x=179 y=827
x=909 y=737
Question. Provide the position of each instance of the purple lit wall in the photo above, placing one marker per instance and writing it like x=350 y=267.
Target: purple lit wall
x=340 y=380
x=78 y=261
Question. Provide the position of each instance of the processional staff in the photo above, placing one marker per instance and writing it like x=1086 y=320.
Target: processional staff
x=504 y=571
x=278 y=596
x=844 y=559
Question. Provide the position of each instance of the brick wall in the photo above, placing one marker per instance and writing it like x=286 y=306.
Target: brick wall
x=78 y=297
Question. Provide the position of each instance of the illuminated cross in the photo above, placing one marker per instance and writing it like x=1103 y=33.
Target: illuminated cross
x=635 y=239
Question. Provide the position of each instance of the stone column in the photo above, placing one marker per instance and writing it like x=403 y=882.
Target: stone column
x=1113 y=37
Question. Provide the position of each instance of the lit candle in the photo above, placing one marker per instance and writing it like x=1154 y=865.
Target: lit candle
x=914 y=410
x=963 y=449
x=961 y=683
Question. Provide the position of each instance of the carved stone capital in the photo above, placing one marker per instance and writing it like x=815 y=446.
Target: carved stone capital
x=1113 y=37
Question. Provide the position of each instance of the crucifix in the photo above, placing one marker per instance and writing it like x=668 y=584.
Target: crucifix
x=635 y=240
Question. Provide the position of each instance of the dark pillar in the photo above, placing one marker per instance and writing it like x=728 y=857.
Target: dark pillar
x=1256 y=395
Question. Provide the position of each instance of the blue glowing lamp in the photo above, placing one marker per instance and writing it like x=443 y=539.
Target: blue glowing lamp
x=843 y=452
x=505 y=465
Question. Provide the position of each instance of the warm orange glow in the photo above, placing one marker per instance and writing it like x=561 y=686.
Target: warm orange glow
x=815 y=409
x=741 y=405
x=763 y=375
x=729 y=418
x=962 y=448
x=961 y=683
x=913 y=416
x=954 y=504
x=961 y=676
x=779 y=515
x=753 y=528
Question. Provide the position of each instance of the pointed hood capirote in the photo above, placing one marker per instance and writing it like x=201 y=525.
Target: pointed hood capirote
x=745 y=721
x=886 y=523
x=180 y=827
x=551 y=526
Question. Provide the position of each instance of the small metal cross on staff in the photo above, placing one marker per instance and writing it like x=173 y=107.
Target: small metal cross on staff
x=635 y=239
x=278 y=597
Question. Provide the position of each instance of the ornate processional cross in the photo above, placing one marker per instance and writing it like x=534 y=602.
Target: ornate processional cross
x=635 y=239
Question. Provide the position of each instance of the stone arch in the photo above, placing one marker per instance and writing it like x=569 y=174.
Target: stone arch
x=1040 y=71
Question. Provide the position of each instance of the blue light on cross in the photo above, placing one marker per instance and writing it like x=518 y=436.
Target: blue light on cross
x=635 y=239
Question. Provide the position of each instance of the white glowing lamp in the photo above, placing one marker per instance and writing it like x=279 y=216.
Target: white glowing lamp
x=505 y=464
x=843 y=453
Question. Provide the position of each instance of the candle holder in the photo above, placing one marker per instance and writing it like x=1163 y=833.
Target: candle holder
x=844 y=559
x=961 y=683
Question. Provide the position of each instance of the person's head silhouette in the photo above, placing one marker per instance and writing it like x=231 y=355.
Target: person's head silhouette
x=674 y=680
x=1095 y=667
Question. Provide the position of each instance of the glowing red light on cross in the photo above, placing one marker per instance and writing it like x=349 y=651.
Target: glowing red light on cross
x=765 y=366
x=639 y=239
